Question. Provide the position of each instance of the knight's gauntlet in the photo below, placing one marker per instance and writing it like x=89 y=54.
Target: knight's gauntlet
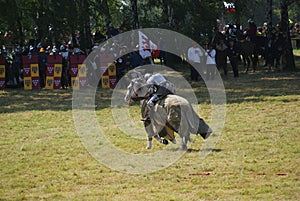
x=151 y=89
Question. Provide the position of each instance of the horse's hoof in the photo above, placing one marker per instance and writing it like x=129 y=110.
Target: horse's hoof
x=164 y=141
x=148 y=147
x=183 y=147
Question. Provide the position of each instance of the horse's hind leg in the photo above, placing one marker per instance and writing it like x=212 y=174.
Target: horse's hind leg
x=183 y=143
x=149 y=142
x=184 y=136
x=254 y=61
x=246 y=62
x=254 y=66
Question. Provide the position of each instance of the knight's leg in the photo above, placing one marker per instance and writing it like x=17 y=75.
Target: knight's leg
x=152 y=100
x=161 y=92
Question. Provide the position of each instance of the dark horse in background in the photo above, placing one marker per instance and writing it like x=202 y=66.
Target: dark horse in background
x=250 y=50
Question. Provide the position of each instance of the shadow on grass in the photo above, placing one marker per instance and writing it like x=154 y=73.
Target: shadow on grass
x=19 y=100
x=252 y=87
x=263 y=86
x=256 y=87
x=190 y=150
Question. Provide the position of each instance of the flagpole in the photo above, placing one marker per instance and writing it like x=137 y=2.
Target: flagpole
x=269 y=17
x=222 y=15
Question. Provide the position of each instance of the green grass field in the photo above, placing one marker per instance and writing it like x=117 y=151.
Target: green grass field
x=257 y=157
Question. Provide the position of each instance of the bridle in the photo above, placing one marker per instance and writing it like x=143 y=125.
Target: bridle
x=135 y=93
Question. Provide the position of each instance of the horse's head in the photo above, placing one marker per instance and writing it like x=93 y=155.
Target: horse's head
x=136 y=90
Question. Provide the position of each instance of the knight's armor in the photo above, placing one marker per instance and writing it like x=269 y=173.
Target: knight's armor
x=159 y=87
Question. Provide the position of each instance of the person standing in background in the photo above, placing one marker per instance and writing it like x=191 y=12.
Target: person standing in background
x=232 y=53
x=42 y=67
x=210 y=62
x=194 y=57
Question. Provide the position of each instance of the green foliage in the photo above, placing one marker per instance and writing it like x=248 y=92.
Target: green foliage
x=31 y=18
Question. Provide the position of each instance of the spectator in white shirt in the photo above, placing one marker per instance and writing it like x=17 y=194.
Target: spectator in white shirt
x=210 y=54
x=194 y=57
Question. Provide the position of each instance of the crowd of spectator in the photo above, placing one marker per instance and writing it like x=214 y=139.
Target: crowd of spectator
x=265 y=41
x=124 y=62
x=223 y=48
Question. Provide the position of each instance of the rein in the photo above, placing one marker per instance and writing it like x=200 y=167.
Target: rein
x=138 y=99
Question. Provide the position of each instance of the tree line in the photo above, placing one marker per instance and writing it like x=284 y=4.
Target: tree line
x=52 y=18
x=55 y=20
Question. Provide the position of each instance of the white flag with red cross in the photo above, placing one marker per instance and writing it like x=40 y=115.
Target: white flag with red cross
x=146 y=43
x=229 y=7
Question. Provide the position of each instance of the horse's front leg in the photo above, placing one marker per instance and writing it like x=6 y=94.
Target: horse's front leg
x=150 y=134
x=159 y=139
x=149 y=143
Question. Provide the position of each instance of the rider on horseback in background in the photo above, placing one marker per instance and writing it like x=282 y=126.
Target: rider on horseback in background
x=252 y=30
x=251 y=36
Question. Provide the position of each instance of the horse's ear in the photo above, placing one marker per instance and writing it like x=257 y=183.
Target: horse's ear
x=134 y=74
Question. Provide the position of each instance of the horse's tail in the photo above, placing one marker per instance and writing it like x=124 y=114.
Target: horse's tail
x=203 y=129
x=198 y=125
